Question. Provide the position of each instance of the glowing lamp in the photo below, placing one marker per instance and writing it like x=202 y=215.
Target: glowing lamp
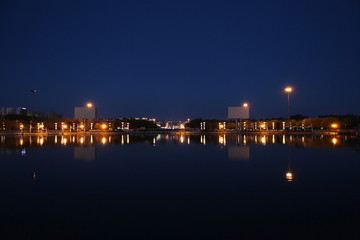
x=288 y=89
x=289 y=176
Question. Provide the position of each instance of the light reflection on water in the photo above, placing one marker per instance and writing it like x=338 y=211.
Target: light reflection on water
x=220 y=139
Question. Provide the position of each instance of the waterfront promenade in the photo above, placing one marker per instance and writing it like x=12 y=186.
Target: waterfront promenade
x=182 y=131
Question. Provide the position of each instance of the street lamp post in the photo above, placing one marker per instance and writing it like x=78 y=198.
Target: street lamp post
x=246 y=106
x=288 y=90
x=88 y=105
x=33 y=108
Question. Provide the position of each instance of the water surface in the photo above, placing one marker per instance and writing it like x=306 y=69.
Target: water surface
x=180 y=187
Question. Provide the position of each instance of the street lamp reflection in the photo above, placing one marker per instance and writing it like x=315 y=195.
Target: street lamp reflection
x=289 y=176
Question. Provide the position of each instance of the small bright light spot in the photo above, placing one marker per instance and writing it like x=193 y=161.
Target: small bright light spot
x=288 y=89
x=289 y=176
x=89 y=105
x=334 y=141
x=334 y=125
x=263 y=140
x=245 y=105
x=103 y=126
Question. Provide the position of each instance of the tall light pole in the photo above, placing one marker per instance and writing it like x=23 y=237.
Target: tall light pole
x=33 y=91
x=288 y=90
x=246 y=106
x=88 y=105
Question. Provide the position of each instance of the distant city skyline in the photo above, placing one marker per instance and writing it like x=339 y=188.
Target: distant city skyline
x=177 y=60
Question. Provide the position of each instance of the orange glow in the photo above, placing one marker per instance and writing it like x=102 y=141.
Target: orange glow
x=288 y=89
x=334 y=141
x=334 y=125
x=103 y=126
x=89 y=105
x=263 y=140
x=289 y=176
x=221 y=140
x=103 y=140
x=63 y=140
x=245 y=105
x=65 y=126
x=81 y=126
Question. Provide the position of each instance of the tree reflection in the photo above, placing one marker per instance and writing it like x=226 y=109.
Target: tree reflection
x=223 y=140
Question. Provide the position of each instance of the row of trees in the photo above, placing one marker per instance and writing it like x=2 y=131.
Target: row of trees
x=296 y=122
x=20 y=122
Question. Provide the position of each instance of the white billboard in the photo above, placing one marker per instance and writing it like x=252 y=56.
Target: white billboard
x=85 y=112
x=238 y=112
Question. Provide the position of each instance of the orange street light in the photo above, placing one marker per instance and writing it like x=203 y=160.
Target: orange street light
x=288 y=89
x=89 y=105
x=289 y=176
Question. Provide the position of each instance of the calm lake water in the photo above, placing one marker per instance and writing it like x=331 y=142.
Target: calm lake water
x=180 y=187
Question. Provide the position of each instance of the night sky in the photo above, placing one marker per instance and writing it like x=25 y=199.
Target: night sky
x=181 y=59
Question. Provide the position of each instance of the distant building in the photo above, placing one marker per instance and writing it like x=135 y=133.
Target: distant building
x=13 y=110
x=171 y=124
x=85 y=112
x=238 y=112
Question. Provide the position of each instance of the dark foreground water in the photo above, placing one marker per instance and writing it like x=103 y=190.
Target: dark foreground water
x=179 y=187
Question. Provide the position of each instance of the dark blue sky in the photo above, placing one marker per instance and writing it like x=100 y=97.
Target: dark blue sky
x=181 y=59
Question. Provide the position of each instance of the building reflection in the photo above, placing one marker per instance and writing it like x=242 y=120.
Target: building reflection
x=87 y=153
x=239 y=152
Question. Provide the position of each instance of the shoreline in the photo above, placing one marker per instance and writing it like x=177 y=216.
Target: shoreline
x=181 y=132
